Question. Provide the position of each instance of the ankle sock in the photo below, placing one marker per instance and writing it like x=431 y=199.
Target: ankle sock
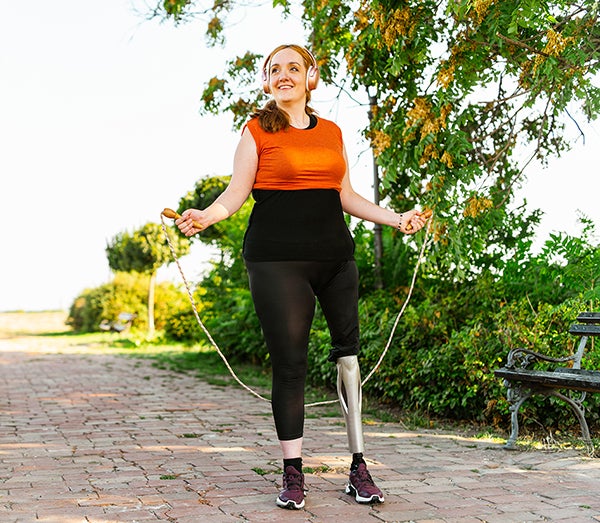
x=294 y=462
x=357 y=459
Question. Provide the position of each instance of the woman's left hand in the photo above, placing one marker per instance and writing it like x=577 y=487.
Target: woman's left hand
x=413 y=221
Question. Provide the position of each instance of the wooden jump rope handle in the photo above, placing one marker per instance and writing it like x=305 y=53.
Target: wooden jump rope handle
x=170 y=213
x=427 y=213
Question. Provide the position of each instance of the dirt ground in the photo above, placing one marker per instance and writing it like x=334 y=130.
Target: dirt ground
x=23 y=323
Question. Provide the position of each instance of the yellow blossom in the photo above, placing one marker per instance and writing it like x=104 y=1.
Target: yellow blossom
x=422 y=114
x=481 y=8
x=446 y=74
x=420 y=111
x=395 y=24
x=362 y=19
x=439 y=233
x=476 y=205
x=380 y=141
x=447 y=159
x=555 y=45
x=429 y=153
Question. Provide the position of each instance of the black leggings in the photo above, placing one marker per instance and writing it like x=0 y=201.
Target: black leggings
x=284 y=295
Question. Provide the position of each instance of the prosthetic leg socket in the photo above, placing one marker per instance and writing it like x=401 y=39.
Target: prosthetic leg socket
x=350 y=394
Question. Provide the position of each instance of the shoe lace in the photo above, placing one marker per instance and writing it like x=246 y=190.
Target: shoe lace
x=364 y=476
x=293 y=481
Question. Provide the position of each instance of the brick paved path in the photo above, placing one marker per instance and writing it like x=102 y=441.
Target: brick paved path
x=100 y=438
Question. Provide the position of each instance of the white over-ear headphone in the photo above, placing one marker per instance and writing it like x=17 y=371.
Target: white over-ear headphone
x=312 y=75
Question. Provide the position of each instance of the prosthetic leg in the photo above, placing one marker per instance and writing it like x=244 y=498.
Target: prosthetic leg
x=350 y=394
x=360 y=484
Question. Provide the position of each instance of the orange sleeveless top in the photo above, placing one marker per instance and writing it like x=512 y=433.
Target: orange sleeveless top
x=299 y=158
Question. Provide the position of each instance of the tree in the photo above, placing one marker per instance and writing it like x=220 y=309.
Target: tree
x=469 y=93
x=144 y=251
x=223 y=235
x=227 y=236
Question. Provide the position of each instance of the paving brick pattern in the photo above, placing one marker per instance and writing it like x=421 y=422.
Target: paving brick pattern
x=100 y=438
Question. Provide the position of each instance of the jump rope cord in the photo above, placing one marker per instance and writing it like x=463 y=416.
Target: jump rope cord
x=226 y=362
x=195 y=309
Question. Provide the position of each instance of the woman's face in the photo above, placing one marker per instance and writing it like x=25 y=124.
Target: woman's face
x=287 y=76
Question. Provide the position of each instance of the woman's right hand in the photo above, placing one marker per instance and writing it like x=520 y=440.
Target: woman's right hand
x=192 y=221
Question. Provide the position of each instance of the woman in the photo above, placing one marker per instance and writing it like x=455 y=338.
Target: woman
x=298 y=249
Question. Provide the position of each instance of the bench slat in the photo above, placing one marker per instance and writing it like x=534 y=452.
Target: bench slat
x=581 y=329
x=577 y=372
x=574 y=379
x=589 y=317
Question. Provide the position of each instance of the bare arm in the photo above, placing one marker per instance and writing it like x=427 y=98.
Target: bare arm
x=245 y=163
x=358 y=206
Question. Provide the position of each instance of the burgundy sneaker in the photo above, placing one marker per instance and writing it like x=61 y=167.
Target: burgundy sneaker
x=292 y=495
x=362 y=486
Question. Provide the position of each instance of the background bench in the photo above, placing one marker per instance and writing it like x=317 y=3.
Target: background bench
x=121 y=324
x=523 y=380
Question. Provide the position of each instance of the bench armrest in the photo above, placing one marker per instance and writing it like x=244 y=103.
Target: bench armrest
x=522 y=358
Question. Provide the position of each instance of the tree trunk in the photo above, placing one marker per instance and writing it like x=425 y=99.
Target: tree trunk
x=377 y=237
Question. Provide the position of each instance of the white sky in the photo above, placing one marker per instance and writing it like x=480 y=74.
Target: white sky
x=100 y=130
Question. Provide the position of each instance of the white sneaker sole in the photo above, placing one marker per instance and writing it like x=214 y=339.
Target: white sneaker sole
x=359 y=499
x=290 y=504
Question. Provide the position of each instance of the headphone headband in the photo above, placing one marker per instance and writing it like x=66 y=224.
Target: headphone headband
x=312 y=75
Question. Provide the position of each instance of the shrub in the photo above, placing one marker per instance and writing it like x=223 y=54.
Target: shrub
x=127 y=292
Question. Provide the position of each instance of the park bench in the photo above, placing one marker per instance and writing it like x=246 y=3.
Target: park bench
x=121 y=324
x=523 y=379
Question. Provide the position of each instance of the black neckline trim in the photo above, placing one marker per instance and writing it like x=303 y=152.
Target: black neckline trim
x=312 y=124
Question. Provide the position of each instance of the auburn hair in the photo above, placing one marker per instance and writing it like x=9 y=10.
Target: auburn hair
x=271 y=117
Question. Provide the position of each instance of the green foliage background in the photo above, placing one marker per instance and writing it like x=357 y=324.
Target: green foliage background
x=451 y=336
